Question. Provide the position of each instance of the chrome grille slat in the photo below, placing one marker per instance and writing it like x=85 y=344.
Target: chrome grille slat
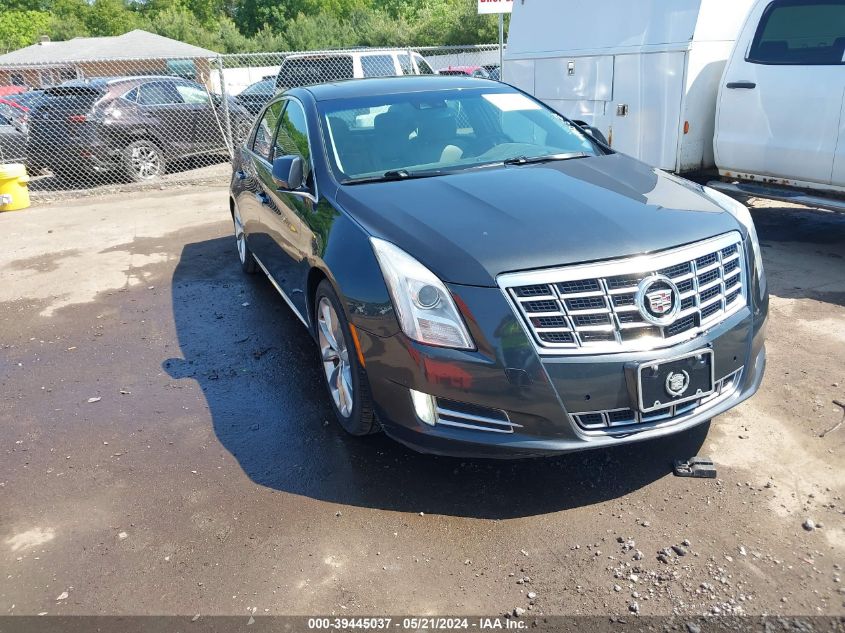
x=707 y=274
x=449 y=414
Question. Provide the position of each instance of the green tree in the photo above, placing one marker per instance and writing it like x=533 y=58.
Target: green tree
x=22 y=28
x=68 y=19
x=111 y=17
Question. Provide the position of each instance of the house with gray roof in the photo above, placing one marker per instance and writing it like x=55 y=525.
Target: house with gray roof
x=134 y=53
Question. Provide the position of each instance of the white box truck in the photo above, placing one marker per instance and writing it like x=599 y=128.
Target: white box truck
x=755 y=88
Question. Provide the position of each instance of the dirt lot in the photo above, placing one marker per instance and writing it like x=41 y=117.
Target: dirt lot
x=165 y=449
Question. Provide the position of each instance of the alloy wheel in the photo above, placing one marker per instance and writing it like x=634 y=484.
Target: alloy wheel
x=146 y=162
x=335 y=356
x=240 y=236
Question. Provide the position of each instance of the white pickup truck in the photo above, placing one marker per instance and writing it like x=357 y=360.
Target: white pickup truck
x=754 y=88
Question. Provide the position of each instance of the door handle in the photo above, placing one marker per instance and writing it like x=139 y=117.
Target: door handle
x=240 y=174
x=263 y=198
x=742 y=85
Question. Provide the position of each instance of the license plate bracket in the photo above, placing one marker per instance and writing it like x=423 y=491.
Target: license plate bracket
x=671 y=381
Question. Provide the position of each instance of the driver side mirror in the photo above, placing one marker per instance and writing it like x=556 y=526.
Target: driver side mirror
x=288 y=173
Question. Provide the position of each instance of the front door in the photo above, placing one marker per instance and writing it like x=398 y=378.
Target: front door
x=209 y=125
x=780 y=101
x=166 y=117
x=282 y=218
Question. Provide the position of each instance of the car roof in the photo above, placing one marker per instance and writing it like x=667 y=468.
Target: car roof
x=354 y=88
x=102 y=82
x=348 y=53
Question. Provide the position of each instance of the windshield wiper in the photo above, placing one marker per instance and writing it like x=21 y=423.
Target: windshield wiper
x=397 y=174
x=526 y=160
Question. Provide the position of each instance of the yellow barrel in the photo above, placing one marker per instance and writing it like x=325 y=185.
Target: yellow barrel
x=14 y=193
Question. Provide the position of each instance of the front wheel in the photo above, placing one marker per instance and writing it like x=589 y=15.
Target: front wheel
x=346 y=378
x=244 y=254
x=143 y=161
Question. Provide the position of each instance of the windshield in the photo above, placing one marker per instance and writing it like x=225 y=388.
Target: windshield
x=443 y=131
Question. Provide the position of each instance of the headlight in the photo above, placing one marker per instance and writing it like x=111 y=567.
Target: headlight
x=425 y=308
x=743 y=216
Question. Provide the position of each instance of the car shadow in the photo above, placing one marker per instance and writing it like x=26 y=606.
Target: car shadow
x=803 y=252
x=259 y=373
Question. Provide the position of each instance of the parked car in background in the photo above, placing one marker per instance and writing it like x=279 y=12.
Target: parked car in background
x=12 y=141
x=306 y=69
x=256 y=95
x=494 y=71
x=506 y=287
x=17 y=107
x=131 y=125
x=465 y=71
x=754 y=88
x=11 y=90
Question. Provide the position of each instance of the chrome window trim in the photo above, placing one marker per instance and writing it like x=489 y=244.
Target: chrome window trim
x=624 y=267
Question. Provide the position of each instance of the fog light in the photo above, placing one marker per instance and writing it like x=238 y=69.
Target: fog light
x=424 y=406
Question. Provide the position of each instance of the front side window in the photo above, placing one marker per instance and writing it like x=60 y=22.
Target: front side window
x=422 y=65
x=262 y=143
x=377 y=66
x=192 y=94
x=800 y=32
x=443 y=131
x=158 y=93
x=292 y=137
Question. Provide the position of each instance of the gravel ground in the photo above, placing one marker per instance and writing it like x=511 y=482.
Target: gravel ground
x=166 y=448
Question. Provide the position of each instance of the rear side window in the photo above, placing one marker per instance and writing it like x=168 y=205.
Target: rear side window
x=70 y=98
x=405 y=64
x=377 y=66
x=799 y=32
x=307 y=71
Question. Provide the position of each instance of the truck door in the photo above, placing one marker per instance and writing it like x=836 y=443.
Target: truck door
x=838 y=179
x=780 y=100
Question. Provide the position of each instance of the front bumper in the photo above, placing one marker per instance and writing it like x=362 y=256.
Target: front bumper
x=540 y=395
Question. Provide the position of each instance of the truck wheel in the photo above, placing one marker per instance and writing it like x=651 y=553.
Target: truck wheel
x=143 y=161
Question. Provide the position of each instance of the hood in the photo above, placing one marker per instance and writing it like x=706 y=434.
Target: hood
x=469 y=227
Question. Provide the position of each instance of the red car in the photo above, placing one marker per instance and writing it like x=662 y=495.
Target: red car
x=16 y=107
x=465 y=71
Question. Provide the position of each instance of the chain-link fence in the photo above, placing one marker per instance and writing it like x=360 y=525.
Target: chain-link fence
x=103 y=125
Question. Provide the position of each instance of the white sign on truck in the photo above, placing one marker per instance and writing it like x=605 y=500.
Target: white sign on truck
x=495 y=6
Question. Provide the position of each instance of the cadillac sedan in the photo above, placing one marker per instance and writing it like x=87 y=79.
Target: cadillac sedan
x=482 y=277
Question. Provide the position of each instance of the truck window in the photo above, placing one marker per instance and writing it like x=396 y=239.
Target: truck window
x=377 y=65
x=800 y=33
x=306 y=71
x=422 y=65
x=405 y=64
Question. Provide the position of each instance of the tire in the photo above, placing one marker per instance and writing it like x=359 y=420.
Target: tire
x=143 y=161
x=341 y=365
x=244 y=254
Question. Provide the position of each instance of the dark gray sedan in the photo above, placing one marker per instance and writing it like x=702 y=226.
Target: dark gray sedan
x=483 y=277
